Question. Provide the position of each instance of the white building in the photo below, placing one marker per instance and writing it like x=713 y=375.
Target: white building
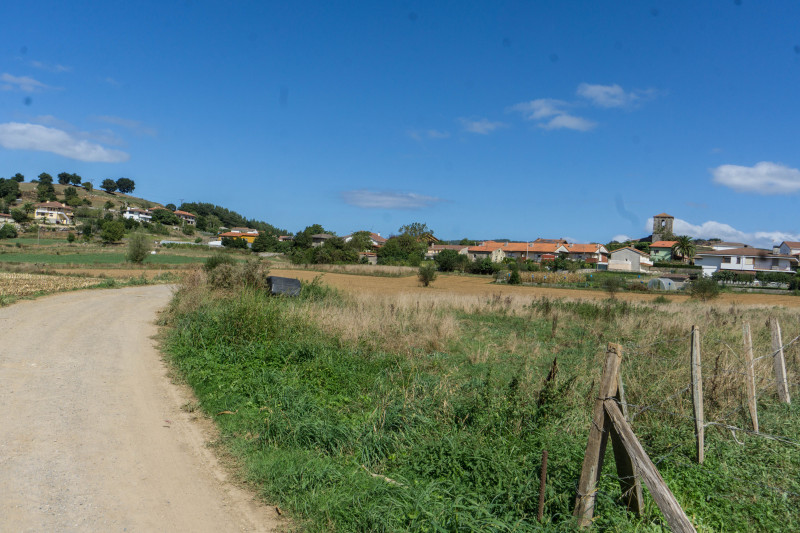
x=139 y=215
x=750 y=260
x=53 y=212
x=629 y=259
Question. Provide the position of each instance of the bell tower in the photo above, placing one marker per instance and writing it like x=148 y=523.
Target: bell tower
x=662 y=226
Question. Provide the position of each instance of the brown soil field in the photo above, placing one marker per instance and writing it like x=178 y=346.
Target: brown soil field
x=473 y=285
x=453 y=284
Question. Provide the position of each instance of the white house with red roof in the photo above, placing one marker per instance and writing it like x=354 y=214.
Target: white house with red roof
x=187 y=217
x=789 y=248
x=629 y=259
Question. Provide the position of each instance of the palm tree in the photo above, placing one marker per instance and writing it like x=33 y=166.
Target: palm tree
x=684 y=247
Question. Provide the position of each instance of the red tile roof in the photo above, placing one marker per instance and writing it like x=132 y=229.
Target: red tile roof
x=185 y=213
x=54 y=205
x=663 y=215
x=663 y=244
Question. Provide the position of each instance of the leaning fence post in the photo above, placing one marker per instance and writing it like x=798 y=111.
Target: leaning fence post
x=750 y=380
x=598 y=439
x=779 y=361
x=697 y=395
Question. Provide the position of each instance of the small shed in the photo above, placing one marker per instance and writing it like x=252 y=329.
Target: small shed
x=662 y=284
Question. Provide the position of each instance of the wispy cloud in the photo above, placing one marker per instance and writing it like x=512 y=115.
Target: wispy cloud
x=552 y=114
x=609 y=96
x=25 y=84
x=762 y=178
x=420 y=135
x=712 y=229
x=387 y=200
x=104 y=136
x=620 y=238
x=51 y=68
x=23 y=136
x=481 y=126
x=135 y=126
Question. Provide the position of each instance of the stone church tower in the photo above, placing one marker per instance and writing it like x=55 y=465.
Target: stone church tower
x=662 y=227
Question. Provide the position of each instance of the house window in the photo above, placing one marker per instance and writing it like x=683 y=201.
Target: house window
x=726 y=259
x=748 y=261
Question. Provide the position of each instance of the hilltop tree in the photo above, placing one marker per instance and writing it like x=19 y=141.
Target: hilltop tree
x=303 y=238
x=19 y=178
x=75 y=180
x=361 y=241
x=45 y=191
x=171 y=207
x=684 y=247
x=109 y=185
x=64 y=178
x=125 y=185
x=44 y=177
x=418 y=230
x=88 y=186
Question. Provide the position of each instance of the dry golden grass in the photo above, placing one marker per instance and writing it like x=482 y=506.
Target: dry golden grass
x=366 y=270
x=24 y=284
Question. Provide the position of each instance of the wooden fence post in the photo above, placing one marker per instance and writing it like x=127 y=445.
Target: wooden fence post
x=598 y=439
x=779 y=362
x=626 y=469
x=750 y=380
x=542 y=484
x=669 y=506
x=697 y=395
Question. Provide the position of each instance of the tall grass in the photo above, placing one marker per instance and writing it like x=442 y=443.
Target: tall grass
x=424 y=413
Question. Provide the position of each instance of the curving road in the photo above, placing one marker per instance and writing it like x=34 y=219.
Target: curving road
x=92 y=434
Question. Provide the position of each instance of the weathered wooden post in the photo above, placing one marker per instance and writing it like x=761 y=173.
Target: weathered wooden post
x=779 y=361
x=598 y=439
x=750 y=378
x=697 y=395
x=542 y=484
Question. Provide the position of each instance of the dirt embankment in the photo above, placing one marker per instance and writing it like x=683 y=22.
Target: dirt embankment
x=92 y=434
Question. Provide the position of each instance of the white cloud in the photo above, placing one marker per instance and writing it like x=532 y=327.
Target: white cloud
x=51 y=68
x=555 y=111
x=387 y=200
x=21 y=83
x=712 y=229
x=20 y=136
x=569 y=122
x=621 y=238
x=482 y=126
x=135 y=126
x=612 y=95
x=763 y=178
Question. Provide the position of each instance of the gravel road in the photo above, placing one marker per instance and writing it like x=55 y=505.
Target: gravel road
x=92 y=434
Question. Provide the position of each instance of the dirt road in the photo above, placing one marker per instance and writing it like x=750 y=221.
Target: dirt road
x=92 y=434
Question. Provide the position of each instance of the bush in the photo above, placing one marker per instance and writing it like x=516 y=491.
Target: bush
x=112 y=231
x=704 y=288
x=612 y=285
x=223 y=276
x=138 y=247
x=218 y=259
x=514 y=278
x=427 y=274
x=70 y=237
x=19 y=216
x=8 y=231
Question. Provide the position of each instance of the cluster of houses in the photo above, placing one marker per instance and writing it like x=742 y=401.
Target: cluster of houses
x=146 y=215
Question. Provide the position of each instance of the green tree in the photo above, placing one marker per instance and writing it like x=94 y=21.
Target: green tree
x=162 y=216
x=109 y=185
x=113 y=231
x=138 y=247
x=70 y=237
x=64 y=178
x=87 y=185
x=402 y=249
x=466 y=242
x=427 y=274
x=171 y=207
x=265 y=242
x=514 y=278
x=303 y=238
x=108 y=205
x=45 y=191
x=126 y=185
x=704 y=288
x=71 y=197
x=361 y=241
x=19 y=178
x=29 y=208
x=612 y=285
x=75 y=180
x=684 y=248
x=449 y=260
x=418 y=230
x=44 y=177
x=19 y=216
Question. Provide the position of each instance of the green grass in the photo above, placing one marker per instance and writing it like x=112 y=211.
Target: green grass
x=95 y=258
x=33 y=240
x=462 y=434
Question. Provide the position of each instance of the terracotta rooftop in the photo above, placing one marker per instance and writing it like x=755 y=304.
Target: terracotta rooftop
x=185 y=213
x=663 y=215
x=54 y=205
x=663 y=244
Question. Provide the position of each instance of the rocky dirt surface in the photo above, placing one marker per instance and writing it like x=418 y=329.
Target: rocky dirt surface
x=93 y=436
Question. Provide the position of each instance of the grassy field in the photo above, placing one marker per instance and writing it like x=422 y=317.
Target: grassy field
x=429 y=411
x=93 y=258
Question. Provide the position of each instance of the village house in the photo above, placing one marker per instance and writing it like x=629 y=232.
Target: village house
x=247 y=234
x=745 y=259
x=434 y=249
x=285 y=238
x=137 y=214
x=629 y=259
x=588 y=253
x=320 y=238
x=5 y=218
x=186 y=217
x=661 y=251
x=789 y=248
x=53 y=213
x=375 y=239
x=492 y=250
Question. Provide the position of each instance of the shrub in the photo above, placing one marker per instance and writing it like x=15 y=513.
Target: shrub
x=138 y=247
x=427 y=274
x=112 y=231
x=704 y=288
x=70 y=237
x=8 y=231
x=254 y=274
x=223 y=276
x=513 y=278
x=612 y=285
x=218 y=259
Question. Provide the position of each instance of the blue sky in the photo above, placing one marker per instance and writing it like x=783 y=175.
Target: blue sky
x=482 y=119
